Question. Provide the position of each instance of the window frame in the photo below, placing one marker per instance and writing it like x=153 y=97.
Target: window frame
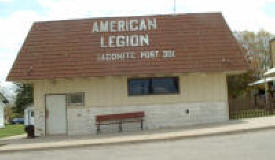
x=75 y=104
x=151 y=78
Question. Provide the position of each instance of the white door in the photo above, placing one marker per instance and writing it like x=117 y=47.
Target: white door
x=2 y=121
x=56 y=120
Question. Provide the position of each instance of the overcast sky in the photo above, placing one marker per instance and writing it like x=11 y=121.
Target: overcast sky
x=16 y=16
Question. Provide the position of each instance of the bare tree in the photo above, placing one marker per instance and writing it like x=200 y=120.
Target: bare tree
x=257 y=46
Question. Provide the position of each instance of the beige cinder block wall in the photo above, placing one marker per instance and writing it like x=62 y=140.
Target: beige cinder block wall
x=204 y=94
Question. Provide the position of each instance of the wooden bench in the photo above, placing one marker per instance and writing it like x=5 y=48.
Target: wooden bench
x=109 y=119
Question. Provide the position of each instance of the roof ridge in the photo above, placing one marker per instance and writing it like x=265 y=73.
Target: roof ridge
x=108 y=17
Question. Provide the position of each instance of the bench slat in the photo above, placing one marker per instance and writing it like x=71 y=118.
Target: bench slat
x=120 y=116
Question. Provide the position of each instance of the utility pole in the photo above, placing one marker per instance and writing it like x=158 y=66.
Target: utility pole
x=174 y=6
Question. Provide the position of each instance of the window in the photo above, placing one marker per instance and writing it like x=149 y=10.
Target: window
x=32 y=113
x=153 y=86
x=75 y=99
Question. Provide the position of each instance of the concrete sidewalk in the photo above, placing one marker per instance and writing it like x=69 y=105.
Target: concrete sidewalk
x=229 y=127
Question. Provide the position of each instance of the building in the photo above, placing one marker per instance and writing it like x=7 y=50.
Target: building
x=173 y=67
x=272 y=50
x=3 y=101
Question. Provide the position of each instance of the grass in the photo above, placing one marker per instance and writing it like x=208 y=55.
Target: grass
x=12 y=130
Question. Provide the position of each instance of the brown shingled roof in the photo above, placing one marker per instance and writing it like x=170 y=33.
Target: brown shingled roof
x=63 y=49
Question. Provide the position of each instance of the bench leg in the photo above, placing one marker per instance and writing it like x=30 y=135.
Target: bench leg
x=120 y=126
x=141 y=124
x=98 y=129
